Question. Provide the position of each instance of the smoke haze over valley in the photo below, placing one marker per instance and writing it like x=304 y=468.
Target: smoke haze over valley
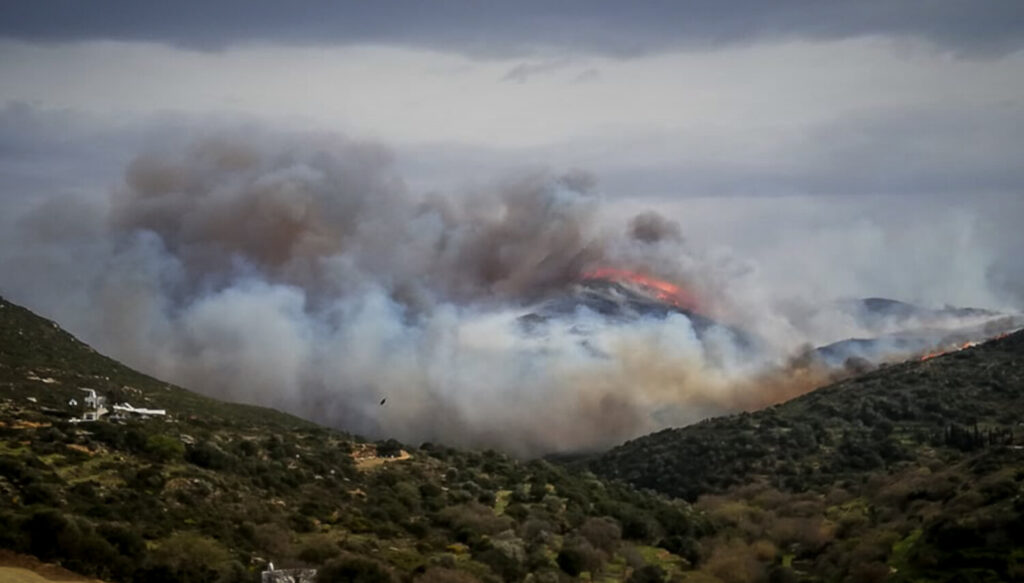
x=541 y=245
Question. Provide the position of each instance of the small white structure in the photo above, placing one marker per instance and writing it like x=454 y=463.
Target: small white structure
x=94 y=402
x=127 y=409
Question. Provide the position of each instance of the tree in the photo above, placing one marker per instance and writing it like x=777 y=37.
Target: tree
x=602 y=533
x=389 y=448
x=45 y=528
x=577 y=556
x=192 y=557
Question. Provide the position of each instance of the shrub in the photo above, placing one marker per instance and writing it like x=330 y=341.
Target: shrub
x=735 y=562
x=647 y=574
x=577 y=556
x=271 y=539
x=353 y=570
x=389 y=448
x=319 y=550
x=505 y=564
x=192 y=557
x=442 y=575
x=164 y=448
x=42 y=494
x=125 y=540
x=207 y=456
x=44 y=528
x=602 y=533
x=686 y=547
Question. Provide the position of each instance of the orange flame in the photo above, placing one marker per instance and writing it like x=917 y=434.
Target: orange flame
x=661 y=290
x=932 y=355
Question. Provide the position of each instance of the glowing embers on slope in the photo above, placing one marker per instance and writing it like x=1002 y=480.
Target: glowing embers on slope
x=932 y=355
x=963 y=346
x=658 y=289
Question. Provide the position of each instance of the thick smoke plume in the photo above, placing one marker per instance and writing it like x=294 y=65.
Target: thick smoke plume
x=298 y=272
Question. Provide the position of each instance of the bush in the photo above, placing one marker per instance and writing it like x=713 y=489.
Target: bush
x=272 y=539
x=685 y=547
x=164 y=448
x=647 y=574
x=147 y=478
x=602 y=533
x=192 y=557
x=319 y=550
x=506 y=565
x=125 y=540
x=389 y=448
x=11 y=533
x=735 y=562
x=207 y=456
x=54 y=537
x=442 y=575
x=353 y=570
x=578 y=556
x=44 y=529
x=42 y=494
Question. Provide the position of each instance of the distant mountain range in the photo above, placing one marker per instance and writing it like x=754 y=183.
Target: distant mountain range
x=899 y=330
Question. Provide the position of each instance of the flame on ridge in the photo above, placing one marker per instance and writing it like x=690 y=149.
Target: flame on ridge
x=659 y=289
x=963 y=346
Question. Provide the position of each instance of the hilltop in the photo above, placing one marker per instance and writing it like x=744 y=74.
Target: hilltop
x=912 y=472
x=214 y=491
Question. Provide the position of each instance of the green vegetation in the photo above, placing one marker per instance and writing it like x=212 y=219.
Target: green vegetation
x=213 y=491
x=913 y=472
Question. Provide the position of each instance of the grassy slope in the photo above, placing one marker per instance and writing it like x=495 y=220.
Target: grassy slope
x=34 y=346
x=214 y=490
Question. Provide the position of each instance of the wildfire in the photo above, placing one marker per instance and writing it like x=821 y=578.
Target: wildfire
x=932 y=355
x=661 y=290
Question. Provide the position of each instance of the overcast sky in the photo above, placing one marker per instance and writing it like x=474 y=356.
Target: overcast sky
x=662 y=101
x=316 y=205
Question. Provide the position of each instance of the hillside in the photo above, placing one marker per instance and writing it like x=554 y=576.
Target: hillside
x=213 y=491
x=912 y=472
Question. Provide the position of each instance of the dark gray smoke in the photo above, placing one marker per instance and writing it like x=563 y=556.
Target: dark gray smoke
x=298 y=272
x=331 y=217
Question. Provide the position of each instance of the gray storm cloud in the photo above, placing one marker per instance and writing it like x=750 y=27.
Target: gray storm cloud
x=298 y=271
x=604 y=27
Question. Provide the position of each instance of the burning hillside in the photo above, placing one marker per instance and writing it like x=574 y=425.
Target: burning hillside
x=898 y=330
x=298 y=272
x=659 y=290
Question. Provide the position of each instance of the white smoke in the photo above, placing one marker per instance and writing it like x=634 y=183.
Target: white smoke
x=298 y=272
